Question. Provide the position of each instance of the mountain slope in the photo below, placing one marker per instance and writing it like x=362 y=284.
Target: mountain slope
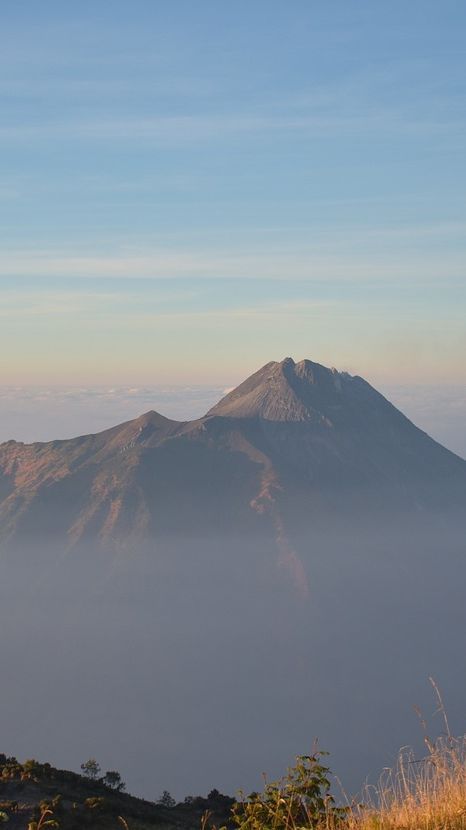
x=293 y=440
x=74 y=801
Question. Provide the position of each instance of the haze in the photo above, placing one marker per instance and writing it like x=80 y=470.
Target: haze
x=197 y=600
x=41 y=413
x=190 y=194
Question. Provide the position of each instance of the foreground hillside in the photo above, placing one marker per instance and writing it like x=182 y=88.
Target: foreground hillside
x=427 y=793
x=29 y=790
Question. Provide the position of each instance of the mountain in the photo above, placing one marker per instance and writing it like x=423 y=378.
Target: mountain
x=295 y=442
x=194 y=602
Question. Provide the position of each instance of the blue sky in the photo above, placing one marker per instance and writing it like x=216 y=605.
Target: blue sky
x=191 y=189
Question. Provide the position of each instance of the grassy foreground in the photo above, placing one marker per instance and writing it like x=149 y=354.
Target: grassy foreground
x=429 y=794
x=418 y=794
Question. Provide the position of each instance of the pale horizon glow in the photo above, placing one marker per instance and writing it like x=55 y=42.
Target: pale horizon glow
x=39 y=413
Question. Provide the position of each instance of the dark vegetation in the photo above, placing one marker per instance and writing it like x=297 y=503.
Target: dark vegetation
x=418 y=794
x=35 y=796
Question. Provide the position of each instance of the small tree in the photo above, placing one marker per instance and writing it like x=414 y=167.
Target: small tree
x=166 y=800
x=213 y=795
x=112 y=779
x=91 y=769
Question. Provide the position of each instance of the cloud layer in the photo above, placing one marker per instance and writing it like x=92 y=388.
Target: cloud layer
x=47 y=413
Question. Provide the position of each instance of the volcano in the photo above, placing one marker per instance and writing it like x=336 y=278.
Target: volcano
x=192 y=597
x=293 y=445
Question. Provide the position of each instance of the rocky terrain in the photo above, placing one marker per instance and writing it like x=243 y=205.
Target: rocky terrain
x=293 y=441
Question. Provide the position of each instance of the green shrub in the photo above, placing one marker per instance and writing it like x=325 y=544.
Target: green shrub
x=95 y=803
x=301 y=798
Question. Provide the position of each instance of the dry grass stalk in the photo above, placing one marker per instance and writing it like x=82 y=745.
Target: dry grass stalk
x=429 y=794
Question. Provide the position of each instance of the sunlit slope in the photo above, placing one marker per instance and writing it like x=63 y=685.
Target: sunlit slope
x=292 y=442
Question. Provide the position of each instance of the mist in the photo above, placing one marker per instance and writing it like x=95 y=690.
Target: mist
x=192 y=663
x=46 y=413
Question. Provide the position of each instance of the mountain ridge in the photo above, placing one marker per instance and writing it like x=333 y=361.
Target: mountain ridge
x=299 y=431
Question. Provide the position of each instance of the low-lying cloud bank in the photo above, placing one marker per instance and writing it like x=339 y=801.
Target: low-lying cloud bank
x=44 y=413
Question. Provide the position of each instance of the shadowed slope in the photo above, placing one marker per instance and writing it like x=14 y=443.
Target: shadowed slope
x=294 y=437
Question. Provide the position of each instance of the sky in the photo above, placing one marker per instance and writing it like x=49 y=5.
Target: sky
x=189 y=190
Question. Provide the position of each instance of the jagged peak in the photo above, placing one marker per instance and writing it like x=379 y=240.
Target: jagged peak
x=283 y=391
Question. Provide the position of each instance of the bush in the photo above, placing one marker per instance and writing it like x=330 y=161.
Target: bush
x=95 y=803
x=301 y=798
x=112 y=779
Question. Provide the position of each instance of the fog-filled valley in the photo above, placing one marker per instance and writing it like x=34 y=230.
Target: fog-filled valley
x=201 y=664
x=193 y=603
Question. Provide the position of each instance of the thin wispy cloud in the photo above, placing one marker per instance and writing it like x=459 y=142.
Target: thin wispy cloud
x=187 y=129
x=307 y=264
x=298 y=174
